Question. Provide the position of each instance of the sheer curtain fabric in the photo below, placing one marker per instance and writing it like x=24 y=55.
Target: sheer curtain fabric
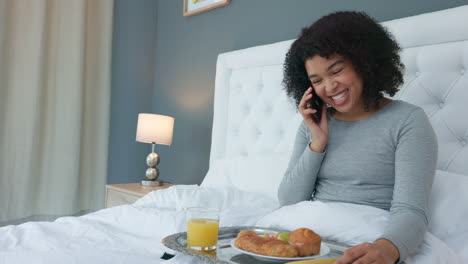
x=54 y=107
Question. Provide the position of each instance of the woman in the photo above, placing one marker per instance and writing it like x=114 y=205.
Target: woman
x=355 y=145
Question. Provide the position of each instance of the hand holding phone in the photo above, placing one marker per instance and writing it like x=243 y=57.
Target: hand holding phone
x=316 y=103
x=312 y=110
x=311 y=106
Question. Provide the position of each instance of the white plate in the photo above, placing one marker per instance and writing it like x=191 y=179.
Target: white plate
x=324 y=250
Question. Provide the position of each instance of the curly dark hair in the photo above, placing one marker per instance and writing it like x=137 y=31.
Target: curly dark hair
x=356 y=36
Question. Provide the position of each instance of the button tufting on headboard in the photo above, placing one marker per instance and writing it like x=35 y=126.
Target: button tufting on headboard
x=441 y=90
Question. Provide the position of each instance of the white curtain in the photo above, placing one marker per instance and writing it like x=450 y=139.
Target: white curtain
x=55 y=58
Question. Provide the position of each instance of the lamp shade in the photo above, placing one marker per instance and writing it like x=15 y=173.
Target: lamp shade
x=155 y=128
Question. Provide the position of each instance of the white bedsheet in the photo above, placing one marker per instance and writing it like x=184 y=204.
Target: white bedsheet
x=132 y=233
x=125 y=234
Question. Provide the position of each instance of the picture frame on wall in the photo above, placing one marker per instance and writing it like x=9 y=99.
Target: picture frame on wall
x=192 y=7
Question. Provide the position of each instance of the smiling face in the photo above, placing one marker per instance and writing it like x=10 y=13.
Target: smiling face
x=337 y=83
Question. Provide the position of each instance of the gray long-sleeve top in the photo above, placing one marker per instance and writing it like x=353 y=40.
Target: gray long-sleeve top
x=387 y=160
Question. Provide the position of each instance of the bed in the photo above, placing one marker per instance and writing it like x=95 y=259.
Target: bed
x=254 y=126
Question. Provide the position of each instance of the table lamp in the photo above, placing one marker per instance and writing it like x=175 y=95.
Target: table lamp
x=154 y=129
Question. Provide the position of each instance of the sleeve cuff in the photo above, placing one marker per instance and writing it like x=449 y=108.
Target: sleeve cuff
x=402 y=249
x=312 y=154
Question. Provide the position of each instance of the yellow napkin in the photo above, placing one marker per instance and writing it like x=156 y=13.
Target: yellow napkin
x=314 y=261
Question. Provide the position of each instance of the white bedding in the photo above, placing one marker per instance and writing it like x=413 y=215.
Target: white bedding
x=132 y=233
x=125 y=234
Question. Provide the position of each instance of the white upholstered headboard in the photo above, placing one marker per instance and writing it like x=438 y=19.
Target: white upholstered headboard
x=253 y=115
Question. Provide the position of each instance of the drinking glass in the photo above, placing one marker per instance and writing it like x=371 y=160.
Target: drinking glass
x=202 y=228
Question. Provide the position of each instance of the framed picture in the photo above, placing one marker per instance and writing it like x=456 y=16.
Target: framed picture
x=192 y=7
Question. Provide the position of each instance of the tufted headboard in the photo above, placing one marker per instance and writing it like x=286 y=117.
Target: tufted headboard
x=435 y=53
x=252 y=113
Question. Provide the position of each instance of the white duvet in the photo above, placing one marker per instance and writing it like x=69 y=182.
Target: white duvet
x=133 y=233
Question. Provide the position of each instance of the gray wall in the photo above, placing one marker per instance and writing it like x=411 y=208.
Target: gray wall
x=132 y=86
x=185 y=52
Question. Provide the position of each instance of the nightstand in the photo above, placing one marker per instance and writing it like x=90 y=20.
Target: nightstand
x=119 y=194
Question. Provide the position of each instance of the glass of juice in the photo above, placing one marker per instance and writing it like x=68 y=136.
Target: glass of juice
x=202 y=228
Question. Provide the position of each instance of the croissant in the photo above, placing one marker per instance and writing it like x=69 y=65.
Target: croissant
x=250 y=241
x=306 y=241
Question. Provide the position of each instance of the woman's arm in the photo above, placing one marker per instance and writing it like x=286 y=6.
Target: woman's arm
x=299 y=180
x=415 y=164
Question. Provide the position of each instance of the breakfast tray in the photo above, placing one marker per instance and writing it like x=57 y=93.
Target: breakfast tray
x=225 y=254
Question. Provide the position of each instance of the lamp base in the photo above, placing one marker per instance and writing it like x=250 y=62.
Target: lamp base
x=150 y=183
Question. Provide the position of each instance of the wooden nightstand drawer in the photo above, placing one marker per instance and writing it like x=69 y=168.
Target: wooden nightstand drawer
x=115 y=198
x=119 y=194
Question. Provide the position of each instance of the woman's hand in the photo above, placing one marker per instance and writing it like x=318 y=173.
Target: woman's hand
x=319 y=131
x=381 y=251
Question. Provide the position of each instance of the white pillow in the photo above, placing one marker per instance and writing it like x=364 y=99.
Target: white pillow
x=448 y=209
x=347 y=223
x=259 y=173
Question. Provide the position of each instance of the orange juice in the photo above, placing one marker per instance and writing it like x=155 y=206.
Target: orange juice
x=202 y=233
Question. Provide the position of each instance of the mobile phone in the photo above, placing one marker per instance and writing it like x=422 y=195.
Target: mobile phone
x=317 y=104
